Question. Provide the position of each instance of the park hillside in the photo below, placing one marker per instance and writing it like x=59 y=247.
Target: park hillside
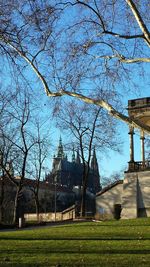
x=91 y=243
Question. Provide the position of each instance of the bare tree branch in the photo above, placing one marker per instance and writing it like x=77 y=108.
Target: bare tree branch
x=139 y=20
x=109 y=108
x=22 y=50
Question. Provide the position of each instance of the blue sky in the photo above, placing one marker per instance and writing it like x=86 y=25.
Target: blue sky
x=112 y=161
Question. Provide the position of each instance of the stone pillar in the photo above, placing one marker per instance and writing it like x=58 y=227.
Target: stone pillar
x=142 y=147
x=131 y=133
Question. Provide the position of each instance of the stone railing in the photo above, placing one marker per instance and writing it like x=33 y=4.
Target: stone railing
x=69 y=214
x=136 y=166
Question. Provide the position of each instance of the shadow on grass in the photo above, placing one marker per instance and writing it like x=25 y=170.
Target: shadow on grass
x=104 y=225
x=70 y=238
x=78 y=224
x=77 y=251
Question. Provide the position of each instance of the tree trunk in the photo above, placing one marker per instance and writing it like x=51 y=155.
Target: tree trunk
x=14 y=221
x=83 y=200
x=16 y=213
x=1 y=202
x=37 y=205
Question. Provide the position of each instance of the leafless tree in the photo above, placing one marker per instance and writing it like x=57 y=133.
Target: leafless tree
x=20 y=141
x=40 y=153
x=88 y=129
x=67 y=43
x=5 y=145
x=5 y=148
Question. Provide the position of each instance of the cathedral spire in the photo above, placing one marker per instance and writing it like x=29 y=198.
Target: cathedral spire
x=73 y=155
x=78 y=157
x=95 y=171
x=94 y=163
x=60 y=152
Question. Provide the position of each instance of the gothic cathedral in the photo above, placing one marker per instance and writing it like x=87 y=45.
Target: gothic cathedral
x=69 y=173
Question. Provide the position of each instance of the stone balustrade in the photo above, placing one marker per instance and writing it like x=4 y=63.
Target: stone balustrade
x=136 y=166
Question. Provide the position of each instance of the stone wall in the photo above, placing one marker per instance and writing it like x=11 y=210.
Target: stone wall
x=108 y=200
x=129 y=196
x=136 y=195
x=68 y=214
x=43 y=217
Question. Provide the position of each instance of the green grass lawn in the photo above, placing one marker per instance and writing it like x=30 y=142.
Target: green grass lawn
x=109 y=243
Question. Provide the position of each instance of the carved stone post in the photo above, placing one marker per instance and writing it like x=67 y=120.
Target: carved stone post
x=131 y=133
x=142 y=148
